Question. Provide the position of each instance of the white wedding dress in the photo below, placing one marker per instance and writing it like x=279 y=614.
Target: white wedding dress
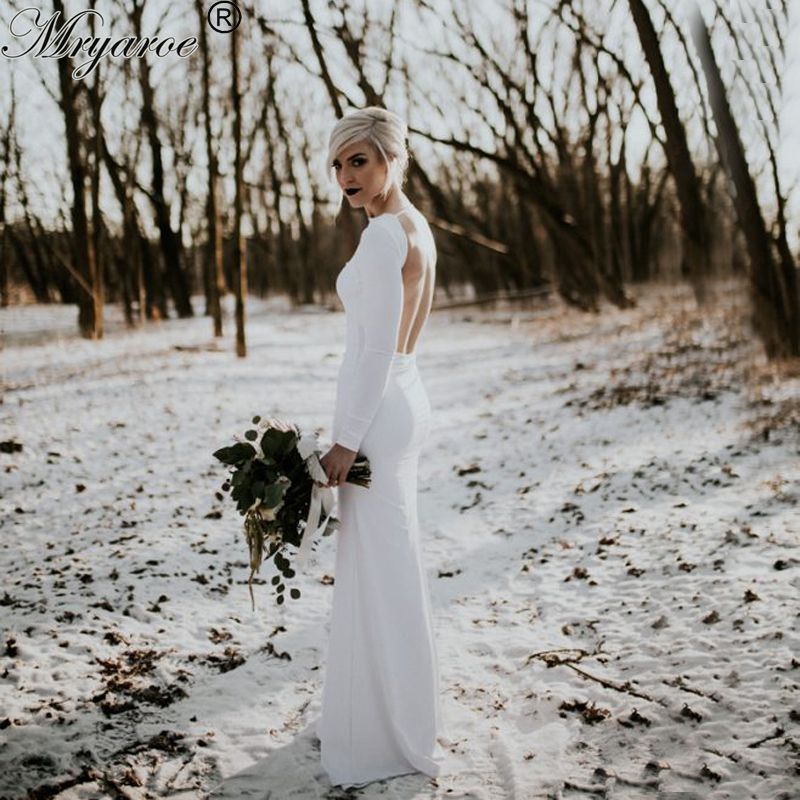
x=380 y=712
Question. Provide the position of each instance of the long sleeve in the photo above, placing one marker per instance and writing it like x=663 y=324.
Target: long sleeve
x=378 y=263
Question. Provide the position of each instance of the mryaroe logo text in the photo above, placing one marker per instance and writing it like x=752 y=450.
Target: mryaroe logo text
x=45 y=39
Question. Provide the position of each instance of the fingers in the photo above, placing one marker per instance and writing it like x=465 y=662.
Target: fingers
x=335 y=477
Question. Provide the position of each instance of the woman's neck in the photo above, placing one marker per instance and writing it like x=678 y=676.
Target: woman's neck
x=396 y=201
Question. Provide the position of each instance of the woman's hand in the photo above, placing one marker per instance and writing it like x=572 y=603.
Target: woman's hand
x=336 y=463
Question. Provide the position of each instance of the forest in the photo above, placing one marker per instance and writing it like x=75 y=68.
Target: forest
x=561 y=147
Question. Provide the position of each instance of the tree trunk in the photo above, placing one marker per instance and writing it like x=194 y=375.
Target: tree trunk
x=239 y=253
x=149 y=294
x=215 y=275
x=170 y=240
x=776 y=311
x=696 y=263
x=281 y=251
x=5 y=160
x=96 y=99
x=302 y=277
x=82 y=251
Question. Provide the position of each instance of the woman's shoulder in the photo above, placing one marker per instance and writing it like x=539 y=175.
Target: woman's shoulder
x=385 y=231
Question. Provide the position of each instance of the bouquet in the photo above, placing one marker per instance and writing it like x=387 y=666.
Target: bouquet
x=274 y=470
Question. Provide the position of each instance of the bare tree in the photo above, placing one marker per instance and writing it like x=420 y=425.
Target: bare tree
x=36 y=253
x=306 y=277
x=773 y=281
x=170 y=239
x=696 y=250
x=96 y=103
x=5 y=161
x=239 y=251
x=84 y=257
x=214 y=273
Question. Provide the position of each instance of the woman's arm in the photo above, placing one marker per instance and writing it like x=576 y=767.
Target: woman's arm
x=379 y=262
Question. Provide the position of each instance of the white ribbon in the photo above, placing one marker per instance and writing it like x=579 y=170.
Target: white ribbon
x=321 y=503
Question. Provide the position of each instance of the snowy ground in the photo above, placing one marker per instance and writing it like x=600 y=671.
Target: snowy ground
x=609 y=510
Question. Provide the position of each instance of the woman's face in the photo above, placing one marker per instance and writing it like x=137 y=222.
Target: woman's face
x=360 y=173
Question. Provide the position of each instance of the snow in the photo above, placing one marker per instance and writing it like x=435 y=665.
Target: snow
x=611 y=540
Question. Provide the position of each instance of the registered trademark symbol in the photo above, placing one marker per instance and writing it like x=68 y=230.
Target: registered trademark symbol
x=224 y=16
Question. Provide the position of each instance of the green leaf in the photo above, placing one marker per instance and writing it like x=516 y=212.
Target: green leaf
x=236 y=454
x=223 y=454
x=238 y=477
x=270 y=443
x=273 y=494
x=245 y=501
x=276 y=443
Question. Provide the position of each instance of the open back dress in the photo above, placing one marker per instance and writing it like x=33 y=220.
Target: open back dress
x=380 y=712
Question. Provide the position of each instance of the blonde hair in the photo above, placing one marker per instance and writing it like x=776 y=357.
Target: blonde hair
x=381 y=128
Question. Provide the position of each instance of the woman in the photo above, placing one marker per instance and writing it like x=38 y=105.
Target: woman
x=380 y=699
